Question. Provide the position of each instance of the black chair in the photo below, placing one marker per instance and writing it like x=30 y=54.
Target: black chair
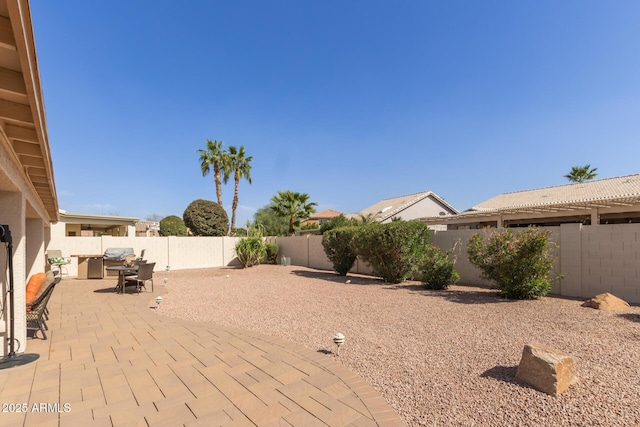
x=36 y=311
x=145 y=273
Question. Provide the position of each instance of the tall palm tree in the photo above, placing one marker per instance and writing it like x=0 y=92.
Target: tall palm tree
x=293 y=206
x=581 y=173
x=236 y=163
x=212 y=158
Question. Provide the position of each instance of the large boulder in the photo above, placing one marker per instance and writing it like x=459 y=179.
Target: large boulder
x=546 y=369
x=607 y=301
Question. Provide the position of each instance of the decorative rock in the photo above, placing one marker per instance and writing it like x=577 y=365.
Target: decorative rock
x=607 y=301
x=546 y=369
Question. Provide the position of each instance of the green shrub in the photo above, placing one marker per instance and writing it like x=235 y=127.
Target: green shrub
x=437 y=268
x=519 y=263
x=251 y=250
x=271 y=256
x=394 y=249
x=172 y=225
x=206 y=218
x=337 y=244
x=335 y=222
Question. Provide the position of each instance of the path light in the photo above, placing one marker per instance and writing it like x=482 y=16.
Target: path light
x=168 y=268
x=338 y=338
x=166 y=280
x=158 y=299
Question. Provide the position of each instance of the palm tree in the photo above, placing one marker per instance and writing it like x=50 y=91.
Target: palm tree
x=212 y=158
x=236 y=162
x=293 y=206
x=581 y=173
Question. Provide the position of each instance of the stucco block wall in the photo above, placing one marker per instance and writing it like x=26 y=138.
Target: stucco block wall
x=458 y=239
x=591 y=259
x=176 y=252
x=611 y=260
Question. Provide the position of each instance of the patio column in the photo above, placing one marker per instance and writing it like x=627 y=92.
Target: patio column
x=13 y=213
x=595 y=217
x=36 y=262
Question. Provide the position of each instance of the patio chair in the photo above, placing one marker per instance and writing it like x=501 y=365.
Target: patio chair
x=135 y=262
x=145 y=274
x=56 y=260
x=36 y=311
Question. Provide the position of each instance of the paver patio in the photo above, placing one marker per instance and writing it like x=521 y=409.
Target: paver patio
x=111 y=361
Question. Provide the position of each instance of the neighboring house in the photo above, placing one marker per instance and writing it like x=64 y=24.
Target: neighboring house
x=603 y=201
x=28 y=200
x=148 y=229
x=85 y=225
x=409 y=207
x=319 y=217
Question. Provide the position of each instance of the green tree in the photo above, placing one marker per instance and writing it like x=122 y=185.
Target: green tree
x=172 y=225
x=293 y=206
x=213 y=158
x=272 y=224
x=337 y=221
x=581 y=173
x=236 y=163
x=206 y=218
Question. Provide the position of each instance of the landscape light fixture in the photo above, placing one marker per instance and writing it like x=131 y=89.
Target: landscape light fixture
x=338 y=339
x=158 y=299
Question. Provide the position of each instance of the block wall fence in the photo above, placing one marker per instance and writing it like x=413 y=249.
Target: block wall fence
x=592 y=259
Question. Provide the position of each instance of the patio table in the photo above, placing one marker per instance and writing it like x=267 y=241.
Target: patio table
x=122 y=270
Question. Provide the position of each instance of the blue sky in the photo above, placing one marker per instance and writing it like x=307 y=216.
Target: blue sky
x=348 y=101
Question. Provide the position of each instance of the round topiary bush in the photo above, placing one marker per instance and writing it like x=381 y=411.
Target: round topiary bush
x=206 y=218
x=172 y=225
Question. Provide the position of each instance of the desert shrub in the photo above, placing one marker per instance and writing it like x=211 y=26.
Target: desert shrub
x=437 y=268
x=335 y=222
x=252 y=249
x=271 y=255
x=393 y=249
x=172 y=225
x=206 y=218
x=339 y=249
x=519 y=263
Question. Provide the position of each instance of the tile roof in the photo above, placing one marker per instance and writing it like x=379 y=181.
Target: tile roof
x=325 y=214
x=601 y=192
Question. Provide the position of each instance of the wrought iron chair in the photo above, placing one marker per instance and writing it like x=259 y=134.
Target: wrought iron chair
x=37 y=310
x=145 y=274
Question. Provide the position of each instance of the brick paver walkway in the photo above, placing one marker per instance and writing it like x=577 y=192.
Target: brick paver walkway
x=111 y=361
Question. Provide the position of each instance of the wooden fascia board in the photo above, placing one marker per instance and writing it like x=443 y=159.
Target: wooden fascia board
x=20 y=17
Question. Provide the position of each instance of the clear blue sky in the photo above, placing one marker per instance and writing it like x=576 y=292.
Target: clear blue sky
x=348 y=101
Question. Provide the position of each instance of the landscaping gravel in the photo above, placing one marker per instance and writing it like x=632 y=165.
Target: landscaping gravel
x=440 y=358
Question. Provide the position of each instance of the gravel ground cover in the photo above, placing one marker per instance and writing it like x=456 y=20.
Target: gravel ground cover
x=440 y=358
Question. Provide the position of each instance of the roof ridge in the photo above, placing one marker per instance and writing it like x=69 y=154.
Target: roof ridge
x=406 y=195
x=573 y=183
x=419 y=196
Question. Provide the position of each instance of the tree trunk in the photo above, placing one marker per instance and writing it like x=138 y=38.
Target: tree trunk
x=216 y=176
x=234 y=206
